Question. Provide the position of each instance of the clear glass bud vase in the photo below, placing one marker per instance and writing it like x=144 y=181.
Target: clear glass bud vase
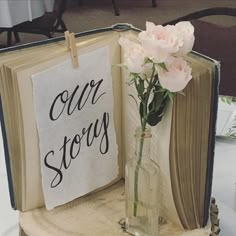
x=142 y=189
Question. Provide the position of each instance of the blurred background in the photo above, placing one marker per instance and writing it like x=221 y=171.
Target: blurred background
x=81 y=15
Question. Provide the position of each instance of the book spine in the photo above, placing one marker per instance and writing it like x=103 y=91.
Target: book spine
x=7 y=159
x=211 y=150
x=116 y=27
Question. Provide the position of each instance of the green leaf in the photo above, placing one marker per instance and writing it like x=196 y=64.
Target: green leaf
x=163 y=66
x=141 y=110
x=229 y=100
x=122 y=66
x=147 y=60
x=171 y=96
x=133 y=77
x=156 y=81
x=136 y=85
x=226 y=99
x=156 y=108
x=182 y=93
x=222 y=99
x=159 y=89
x=158 y=100
x=139 y=84
x=155 y=117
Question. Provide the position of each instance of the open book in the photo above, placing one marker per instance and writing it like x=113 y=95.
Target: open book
x=68 y=132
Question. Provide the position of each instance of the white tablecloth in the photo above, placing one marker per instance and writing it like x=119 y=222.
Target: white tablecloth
x=224 y=178
x=223 y=189
x=13 y=12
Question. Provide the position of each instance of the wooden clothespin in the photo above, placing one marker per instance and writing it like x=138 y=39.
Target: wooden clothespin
x=71 y=46
x=67 y=33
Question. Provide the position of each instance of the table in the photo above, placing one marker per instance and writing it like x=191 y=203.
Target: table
x=223 y=189
x=13 y=12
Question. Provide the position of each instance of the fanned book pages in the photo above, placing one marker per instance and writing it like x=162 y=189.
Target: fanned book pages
x=68 y=132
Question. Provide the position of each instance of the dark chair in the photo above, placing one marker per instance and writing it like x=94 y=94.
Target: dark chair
x=47 y=24
x=154 y=4
x=116 y=8
x=9 y=36
x=217 y=42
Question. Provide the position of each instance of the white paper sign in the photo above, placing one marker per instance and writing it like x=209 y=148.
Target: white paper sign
x=74 y=114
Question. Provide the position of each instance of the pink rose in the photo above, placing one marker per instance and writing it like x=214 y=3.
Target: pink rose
x=177 y=76
x=134 y=54
x=160 y=42
x=185 y=30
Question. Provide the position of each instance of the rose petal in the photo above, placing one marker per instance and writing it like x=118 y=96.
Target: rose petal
x=177 y=76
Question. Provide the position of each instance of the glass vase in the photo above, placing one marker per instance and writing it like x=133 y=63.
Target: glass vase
x=142 y=183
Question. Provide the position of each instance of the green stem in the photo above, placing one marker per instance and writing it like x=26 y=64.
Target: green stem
x=140 y=153
x=136 y=175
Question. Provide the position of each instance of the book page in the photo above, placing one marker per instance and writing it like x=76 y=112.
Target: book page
x=190 y=141
x=34 y=196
